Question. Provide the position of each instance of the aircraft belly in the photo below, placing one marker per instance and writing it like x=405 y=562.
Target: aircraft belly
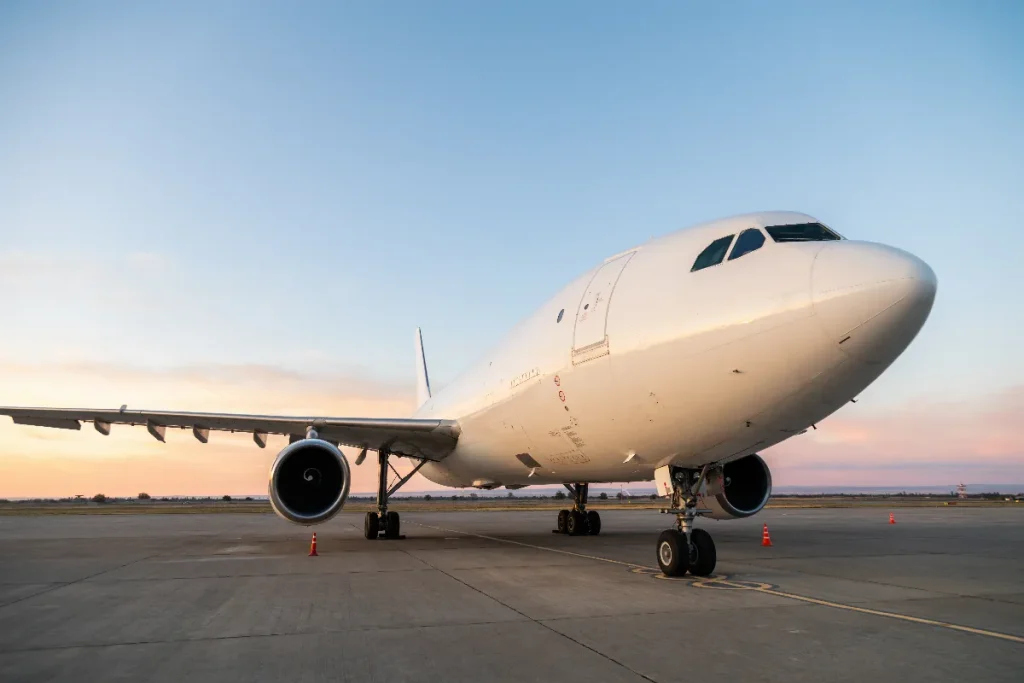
x=724 y=400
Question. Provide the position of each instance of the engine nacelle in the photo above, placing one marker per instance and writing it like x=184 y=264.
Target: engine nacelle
x=737 y=489
x=309 y=481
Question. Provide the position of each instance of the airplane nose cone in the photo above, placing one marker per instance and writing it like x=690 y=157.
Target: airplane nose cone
x=871 y=299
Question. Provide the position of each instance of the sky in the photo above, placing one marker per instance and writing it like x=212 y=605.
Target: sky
x=249 y=206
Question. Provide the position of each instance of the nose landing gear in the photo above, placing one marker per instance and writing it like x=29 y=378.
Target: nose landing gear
x=579 y=521
x=684 y=548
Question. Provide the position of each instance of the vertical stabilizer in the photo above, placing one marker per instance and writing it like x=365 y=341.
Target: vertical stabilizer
x=422 y=378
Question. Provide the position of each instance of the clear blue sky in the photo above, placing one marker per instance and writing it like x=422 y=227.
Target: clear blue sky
x=301 y=184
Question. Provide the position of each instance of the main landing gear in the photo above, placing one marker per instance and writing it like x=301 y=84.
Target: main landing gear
x=579 y=521
x=386 y=522
x=684 y=548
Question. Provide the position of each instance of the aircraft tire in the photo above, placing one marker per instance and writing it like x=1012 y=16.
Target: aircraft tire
x=563 y=519
x=576 y=523
x=393 y=527
x=593 y=522
x=702 y=553
x=673 y=553
x=371 y=526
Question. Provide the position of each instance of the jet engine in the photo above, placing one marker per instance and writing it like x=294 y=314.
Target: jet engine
x=737 y=489
x=309 y=481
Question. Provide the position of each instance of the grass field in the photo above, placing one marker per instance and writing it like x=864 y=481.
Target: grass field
x=208 y=506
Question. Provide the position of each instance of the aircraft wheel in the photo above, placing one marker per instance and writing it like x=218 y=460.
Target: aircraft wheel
x=702 y=553
x=371 y=526
x=392 y=529
x=563 y=521
x=576 y=524
x=593 y=522
x=673 y=554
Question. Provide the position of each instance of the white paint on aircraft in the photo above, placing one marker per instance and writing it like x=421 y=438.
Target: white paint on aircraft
x=659 y=365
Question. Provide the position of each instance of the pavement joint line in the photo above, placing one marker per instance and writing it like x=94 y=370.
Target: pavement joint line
x=937 y=594
x=759 y=589
x=537 y=547
x=283 y=634
x=541 y=623
x=896 y=615
x=654 y=613
x=875 y=583
x=65 y=584
x=205 y=577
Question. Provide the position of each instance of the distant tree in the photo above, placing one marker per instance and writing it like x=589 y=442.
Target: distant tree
x=144 y=496
x=474 y=495
x=559 y=495
x=248 y=497
x=654 y=496
x=226 y=498
x=99 y=498
x=620 y=495
x=428 y=497
x=603 y=496
x=510 y=495
x=455 y=497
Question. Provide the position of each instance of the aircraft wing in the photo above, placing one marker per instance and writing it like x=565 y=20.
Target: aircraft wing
x=415 y=438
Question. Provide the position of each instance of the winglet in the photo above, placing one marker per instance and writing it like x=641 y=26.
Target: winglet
x=422 y=379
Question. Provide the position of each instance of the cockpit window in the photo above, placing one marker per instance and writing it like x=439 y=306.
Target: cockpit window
x=801 y=232
x=748 y=241
x=713 y=254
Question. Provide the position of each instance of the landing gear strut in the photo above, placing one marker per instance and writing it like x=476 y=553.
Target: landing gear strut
x=684 y=548
x=578 y=521
x=386 y=522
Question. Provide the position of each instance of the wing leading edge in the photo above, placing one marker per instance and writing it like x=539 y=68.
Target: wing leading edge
x=414 y=438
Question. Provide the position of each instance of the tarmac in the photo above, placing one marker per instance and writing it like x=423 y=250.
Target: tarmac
x=495 y=596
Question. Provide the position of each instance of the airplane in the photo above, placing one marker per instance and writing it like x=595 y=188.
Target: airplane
x=675 y=361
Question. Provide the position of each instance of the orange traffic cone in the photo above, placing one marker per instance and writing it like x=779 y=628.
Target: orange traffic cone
x=766 y=540
x=892 y=520
x=312 y=547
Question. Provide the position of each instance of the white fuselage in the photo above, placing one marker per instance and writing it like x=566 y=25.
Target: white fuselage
x=640 y=362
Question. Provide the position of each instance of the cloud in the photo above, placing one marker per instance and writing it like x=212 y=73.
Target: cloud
x=18 y=265
x=926 y=442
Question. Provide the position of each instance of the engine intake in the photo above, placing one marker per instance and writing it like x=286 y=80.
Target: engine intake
x=309 y=481
x=737 y=489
